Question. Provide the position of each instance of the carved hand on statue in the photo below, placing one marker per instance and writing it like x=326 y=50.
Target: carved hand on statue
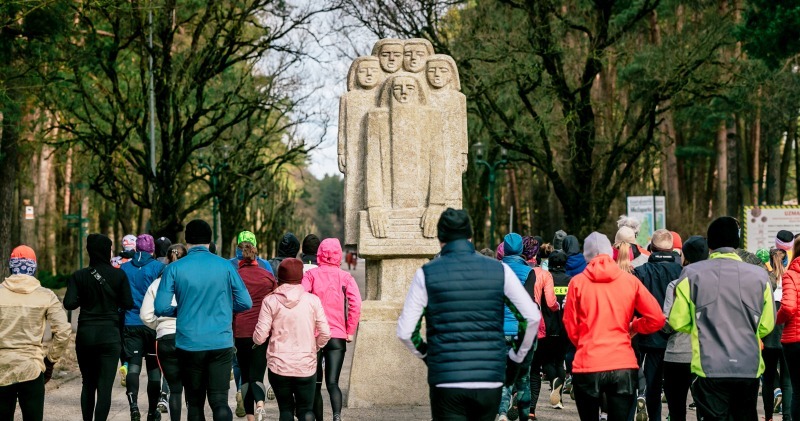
x=377 y=222
x=342 y=165
x=430 y=219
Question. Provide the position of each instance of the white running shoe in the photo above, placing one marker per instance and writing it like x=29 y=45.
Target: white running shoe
x=261 y=414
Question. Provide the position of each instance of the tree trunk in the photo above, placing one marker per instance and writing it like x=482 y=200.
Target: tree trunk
x=721 y=201
x=757 y=148
x=791 y=134
x=9 y=145
x=773 y=168
x=732 y=198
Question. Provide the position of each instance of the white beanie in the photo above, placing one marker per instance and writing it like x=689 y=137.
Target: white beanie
x=596 y=244
x=625 y=235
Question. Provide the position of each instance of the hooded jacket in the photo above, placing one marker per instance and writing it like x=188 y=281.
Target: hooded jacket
x=576 y=263
x=99 y=303
x=25 y=308
x=656 y=275
x=336 y=289
x=288 y=247
x=289 y=318
x=259 y=283
x=512 y=246
x=141 y=271
x=162 y=325
x=598 y=310
x=788 y=313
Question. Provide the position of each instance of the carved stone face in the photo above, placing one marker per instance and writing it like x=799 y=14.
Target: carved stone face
x=391 y=57
x=404 y=90
x=367 y=75
x=414 y=57
x=439 y=74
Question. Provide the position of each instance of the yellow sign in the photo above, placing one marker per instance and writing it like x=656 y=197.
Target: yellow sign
x=561 y=290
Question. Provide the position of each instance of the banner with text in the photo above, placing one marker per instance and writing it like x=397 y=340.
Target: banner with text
x=761 y=225
x=641 y=208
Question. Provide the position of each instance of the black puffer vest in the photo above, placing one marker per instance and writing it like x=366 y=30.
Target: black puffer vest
x=464 y=316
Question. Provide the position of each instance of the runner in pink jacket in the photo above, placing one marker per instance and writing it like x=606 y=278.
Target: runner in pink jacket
x=341 y=299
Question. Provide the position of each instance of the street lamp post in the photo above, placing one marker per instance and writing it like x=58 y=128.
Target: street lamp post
x=213 y=174
x=492 y=167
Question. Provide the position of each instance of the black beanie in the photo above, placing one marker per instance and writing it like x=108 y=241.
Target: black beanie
x=454 y=225
x=695 y=249
x=198 y=232
x=310 y=245
x=557 y=259
x=162 y=245
x=785 y=236
x=723 y=232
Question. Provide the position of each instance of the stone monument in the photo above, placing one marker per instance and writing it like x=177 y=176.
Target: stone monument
x=403 y=149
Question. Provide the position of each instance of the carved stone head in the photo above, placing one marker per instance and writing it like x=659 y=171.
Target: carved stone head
x=390 y=54
x=404 y=89
x=414 y=54
x=365 y=73
x=441 y=71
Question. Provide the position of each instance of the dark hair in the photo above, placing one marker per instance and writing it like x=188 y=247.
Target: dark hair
x=488 y=252
x=249 y=251
x=176 y=252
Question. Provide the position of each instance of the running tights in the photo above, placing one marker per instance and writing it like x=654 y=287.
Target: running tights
x=206 y=373
x=773 y=361
x=31 y=399
x=98 y=365
x=153 y=382
x=333 y=355
x=294 y=395
x=791 y=351
x=253 y=365
x=168 y=361
x=677 y=381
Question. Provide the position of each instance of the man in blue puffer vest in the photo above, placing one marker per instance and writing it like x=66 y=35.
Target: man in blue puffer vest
x=462 y=294
x=140 y=340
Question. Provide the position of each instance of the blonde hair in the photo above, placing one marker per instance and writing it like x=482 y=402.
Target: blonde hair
x=624 y=256
x=776 y=261
x=249 y=251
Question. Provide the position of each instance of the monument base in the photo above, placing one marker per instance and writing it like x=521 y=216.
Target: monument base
x=384 y=372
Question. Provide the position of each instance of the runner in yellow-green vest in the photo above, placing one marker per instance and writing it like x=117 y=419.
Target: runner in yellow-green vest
x=726 y=306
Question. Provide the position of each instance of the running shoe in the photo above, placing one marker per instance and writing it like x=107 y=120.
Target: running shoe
x=568 y=385
x=513 y=411
x=270 y=394
x=337 y=417
x=135 y=414
x=240 y=405
x=558 y=406
x=555 y=393
x=603 y=416
x=503 y=417
x=163 y=405
x=261 y=414
x=154 y=416
x=692 y=406
x=778 y=400
x=532 y=417
x=641 y=409
x=123 y=373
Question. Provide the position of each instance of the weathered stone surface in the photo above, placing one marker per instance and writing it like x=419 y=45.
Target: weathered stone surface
x=402 y=142
x=403 y=150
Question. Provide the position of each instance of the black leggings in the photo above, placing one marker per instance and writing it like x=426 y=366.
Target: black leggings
x=791 y=351
x=549 y=357
x=31 y=400
x=677 y=381
x=253 y=366
x=98 y=365
x=206 y=373
x=168 y=361
x=617 y=386
x=773 y=360
x=333 y=354
x=294 y=394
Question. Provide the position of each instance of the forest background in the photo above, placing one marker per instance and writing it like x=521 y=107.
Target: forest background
x=596 y=100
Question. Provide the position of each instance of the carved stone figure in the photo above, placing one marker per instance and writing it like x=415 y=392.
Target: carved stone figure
x=365 y=74
x=404 y=156
x=445 y=95
x=415 y=51
x=390 y=53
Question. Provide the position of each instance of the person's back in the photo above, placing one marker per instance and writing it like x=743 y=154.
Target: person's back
x=576 y=263
x=599 y=319
x=247 y=236
x=726 y=305
x=141 y=271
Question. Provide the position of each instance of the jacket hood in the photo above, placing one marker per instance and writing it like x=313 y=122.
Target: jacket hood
x=795 y=265
x=21 y=284
x=329 y=252
x=602 y=269
x=512 y=244
x=289 y=246
x=571 y=245
x=289 y=295
x=99 y=248
x=557 y=259
x=141 y=259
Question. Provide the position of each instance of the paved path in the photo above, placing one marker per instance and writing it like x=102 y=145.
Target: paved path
x=63 y=395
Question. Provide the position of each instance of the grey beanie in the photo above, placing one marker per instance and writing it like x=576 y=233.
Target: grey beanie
x=596 y=244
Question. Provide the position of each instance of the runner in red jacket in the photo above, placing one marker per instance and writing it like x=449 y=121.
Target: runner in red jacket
x=599 y=319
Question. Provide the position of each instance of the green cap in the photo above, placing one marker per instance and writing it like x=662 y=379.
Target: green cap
x=763 y=254
x=246 y=236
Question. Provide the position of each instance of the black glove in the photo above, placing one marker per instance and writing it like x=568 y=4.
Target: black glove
x=48 y=369
x=512 y=372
